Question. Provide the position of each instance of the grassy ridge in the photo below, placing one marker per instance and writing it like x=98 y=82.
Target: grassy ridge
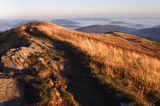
x=131 y=67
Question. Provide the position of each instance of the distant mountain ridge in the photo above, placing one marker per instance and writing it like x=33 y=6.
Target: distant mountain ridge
x=157 y=26
x=153 y=33
x=105 y=28
x=149 y=32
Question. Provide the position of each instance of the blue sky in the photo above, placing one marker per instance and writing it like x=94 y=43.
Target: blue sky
x=78 y=8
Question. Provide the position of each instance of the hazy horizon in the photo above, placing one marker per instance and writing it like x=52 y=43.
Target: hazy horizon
x=78 y=8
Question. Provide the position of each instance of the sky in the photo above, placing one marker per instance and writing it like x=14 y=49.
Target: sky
x=78 y=8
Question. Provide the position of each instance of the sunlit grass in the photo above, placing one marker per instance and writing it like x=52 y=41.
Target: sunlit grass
x=135 y=70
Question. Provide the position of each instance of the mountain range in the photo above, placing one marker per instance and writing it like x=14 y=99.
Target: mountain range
x=105 y=28
x=121 y=26
x=152 y=33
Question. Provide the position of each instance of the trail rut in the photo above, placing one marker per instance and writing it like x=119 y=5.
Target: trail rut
x=86 y=90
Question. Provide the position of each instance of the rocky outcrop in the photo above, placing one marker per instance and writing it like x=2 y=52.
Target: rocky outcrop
x=30 y=70
x=18 y=58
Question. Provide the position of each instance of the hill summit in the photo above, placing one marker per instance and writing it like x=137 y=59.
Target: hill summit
x=47 y=64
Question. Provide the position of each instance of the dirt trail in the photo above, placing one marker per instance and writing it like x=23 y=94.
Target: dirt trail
x=86 y=90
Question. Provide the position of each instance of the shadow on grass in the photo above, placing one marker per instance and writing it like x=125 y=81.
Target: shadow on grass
x=86 y=89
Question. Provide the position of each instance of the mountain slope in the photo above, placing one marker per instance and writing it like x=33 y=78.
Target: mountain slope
x=105 y=28
x=157 y=26
x=153 y=33
x=58 y=66
x=35 y=63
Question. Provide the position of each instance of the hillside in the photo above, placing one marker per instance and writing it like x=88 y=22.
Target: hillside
x=52 y=65
x=157 y=26
x=105 y=28
x=153 y=33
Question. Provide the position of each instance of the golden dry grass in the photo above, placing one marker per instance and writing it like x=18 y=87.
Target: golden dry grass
x=130 y=61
